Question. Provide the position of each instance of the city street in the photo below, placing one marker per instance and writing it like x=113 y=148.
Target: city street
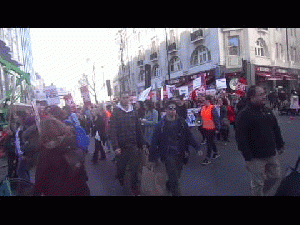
x=226 y=176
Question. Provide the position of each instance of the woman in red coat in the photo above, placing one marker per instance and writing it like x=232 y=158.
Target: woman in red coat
x=230 y=112
x=60 y=169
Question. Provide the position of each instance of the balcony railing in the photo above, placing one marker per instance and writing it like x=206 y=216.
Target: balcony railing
x=197 y=35
x=172 y=47
x=233 y=61
x=153 y=56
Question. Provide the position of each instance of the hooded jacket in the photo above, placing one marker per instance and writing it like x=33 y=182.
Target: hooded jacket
x=257 y=132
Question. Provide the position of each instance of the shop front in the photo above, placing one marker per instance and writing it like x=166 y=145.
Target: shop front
x=273 y=77
x=200 y=82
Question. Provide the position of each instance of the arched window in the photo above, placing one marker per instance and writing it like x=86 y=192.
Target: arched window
x=261 y=48
x=155 y=71
x=200 y=55
x=175 y=64
x=142 y=75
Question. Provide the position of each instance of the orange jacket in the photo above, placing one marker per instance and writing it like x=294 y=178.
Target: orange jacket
x=207 y=117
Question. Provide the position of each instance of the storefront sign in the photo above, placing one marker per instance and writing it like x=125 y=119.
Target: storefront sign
x=263 y=69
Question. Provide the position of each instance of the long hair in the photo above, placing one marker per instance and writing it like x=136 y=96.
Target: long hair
x=51 y=129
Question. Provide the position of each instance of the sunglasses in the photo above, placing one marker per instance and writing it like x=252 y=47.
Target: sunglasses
x=172 y=108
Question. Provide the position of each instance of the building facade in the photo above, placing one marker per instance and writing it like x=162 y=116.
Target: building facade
x=15 y=52
x=265 y=56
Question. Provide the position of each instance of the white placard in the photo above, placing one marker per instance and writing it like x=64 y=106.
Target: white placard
x=197 y=83
x=221 y=83
x=184 y=90
x=52 y=95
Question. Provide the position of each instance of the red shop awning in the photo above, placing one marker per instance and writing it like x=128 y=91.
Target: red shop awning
x=269 y=76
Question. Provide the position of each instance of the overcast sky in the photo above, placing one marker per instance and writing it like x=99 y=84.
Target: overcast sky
x=60 y=55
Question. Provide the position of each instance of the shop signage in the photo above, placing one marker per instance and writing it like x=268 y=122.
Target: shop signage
x=263 y=69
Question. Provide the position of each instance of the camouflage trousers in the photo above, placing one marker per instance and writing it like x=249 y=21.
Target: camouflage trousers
x=264 y=174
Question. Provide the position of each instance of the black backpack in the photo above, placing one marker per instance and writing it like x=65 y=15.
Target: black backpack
x=290 y=185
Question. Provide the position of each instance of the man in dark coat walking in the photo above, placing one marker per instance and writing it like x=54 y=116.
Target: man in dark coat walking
x=170 y=142
x=258 y=136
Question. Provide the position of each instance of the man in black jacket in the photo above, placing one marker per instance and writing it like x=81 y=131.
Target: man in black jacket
x=170 y=142
x=258 y=136
x=127 y=140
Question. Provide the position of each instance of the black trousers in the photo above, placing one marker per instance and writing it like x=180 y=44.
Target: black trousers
x=210 y=142
x=98 y=147
x=200 y=128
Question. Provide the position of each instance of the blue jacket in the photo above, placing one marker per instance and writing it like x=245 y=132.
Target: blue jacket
x=159 y=148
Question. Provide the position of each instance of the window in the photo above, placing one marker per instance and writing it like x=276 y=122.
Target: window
x=233 y=45
x=261 y=48
x=175 y=64
x=153 y=45
x=172 y=36
x=279 y=51
x=155 y=71
x=142 y=75
x=200 y=55
x=293 y=54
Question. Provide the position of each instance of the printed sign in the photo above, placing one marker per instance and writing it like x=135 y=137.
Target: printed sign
x=52 y=95
x=197 y=83
x=191 y=118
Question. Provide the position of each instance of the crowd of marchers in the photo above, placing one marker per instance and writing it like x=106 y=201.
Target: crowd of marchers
x=55 y=146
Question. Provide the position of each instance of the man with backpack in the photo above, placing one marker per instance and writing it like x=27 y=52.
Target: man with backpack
x=170 y=142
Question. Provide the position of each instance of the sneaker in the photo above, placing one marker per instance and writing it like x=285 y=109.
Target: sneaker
x=206 y=162
x=203 y=142
x=215 y=156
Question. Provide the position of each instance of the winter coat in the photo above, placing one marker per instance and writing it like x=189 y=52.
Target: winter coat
x=99 y=125
x=60 y=169
x=257 y=132
x=125 y=128
x=159 y=146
